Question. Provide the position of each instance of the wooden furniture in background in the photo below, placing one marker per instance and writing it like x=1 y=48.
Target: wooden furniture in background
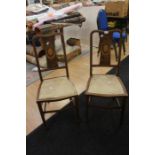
x=72 y=51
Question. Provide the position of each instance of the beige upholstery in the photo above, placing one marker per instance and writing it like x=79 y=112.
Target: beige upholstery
x=57 y=88
x=106 y=85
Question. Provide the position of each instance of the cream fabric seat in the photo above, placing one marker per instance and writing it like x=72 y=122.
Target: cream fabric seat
x=57 y=88
x=106 y=85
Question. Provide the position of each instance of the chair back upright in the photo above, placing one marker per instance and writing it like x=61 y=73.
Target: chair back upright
x=102 y=22
x=46 y=34
x=105 y=50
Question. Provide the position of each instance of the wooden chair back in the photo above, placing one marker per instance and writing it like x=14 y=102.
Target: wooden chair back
x=47 y=35
x=105 y=44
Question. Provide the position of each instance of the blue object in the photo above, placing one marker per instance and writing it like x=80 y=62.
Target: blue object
x=102 y=21
x=102 y=24
x=116 y=35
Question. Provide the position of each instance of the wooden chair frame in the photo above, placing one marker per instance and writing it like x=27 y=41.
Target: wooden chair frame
x=53 y=31
x=121 y=105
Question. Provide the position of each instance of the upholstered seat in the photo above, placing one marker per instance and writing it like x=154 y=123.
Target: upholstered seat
x=106 y=85
x=57 y=88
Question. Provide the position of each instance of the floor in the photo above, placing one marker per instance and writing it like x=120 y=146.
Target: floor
x=79 y=74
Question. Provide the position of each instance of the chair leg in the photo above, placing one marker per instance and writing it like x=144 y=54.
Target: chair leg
x=41 y=113
x=117 y=101
x=115 y=50
x=88 y=98
x=124 y=49
x=77 y=108
x=123 y=110
x=98 y=52
x=71 y=101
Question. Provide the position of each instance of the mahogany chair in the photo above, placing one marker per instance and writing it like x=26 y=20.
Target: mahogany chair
x=105 y=85
x=56 y=88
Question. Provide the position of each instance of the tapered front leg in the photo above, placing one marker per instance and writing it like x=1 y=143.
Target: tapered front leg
x=41 y=113
x=88 y=98
x=77 y=108
x=124 y=49
x=123 y=110
x=115 y=50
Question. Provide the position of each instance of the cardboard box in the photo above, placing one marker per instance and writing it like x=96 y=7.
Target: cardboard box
x=117 y=8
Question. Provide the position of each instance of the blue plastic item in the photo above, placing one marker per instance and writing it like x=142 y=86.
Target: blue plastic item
x=102 y=24
x=116 y=35
x=102 y=21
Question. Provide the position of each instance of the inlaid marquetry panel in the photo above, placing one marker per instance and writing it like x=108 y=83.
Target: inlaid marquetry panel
x=48 y=44
x=105 y=49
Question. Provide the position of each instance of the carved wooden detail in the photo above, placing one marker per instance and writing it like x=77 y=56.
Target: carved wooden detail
x=48 y=44
x=105 y=49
